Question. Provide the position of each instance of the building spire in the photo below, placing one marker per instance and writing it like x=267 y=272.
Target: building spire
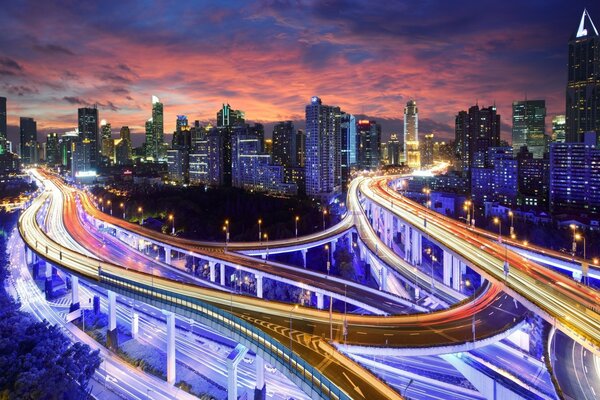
x=583 y=31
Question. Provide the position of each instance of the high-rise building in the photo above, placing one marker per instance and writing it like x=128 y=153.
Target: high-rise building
x=575 y=176
x=496 y=182
x=348 y=142
x=323 y=155
x=368 y=144
x=227 y=117
x=558 y=129
x=67 y=143
x=427 y=150
x=284 y=144
x=28 y=136
x=583 y=82
x=476 y=131
x=88 y=127
x=125 y=136
x=178 y=164
x=412 y=154
x=529 y=125
x=300 y=147
x=107 y=150
x=182 y=137
x=82 y=153
x=533 y=179
x=462 y=142
x=393 y=150
x=158 y=130
x=3 y=128
x=52 y=149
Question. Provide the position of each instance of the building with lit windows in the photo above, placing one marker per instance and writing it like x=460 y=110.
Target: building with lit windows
x=88 y=129
x=529 y=125
x=583 y=82
x=533 y=179
x=427 y=151
x=323 y=150
x=558 y=129
x=412 y=152
x=368 y=144
x=28 y=136
x=52 y=149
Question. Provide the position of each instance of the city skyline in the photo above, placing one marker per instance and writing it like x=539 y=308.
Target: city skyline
x=276 y=73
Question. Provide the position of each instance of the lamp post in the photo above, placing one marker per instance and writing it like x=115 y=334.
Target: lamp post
x=122 y=205
x=584 y=267
x=427 y=192
x=291 y=341
x=172 y=219
x=226 y=229
x=101 y=203
x=512 y=226
x=470 y=207
x=574 y=248
x=266 y=237
x=296 y=221
x=140 y=210
x=324 y=214
x=506 y=268
x=259 y=224
x=328 y=258
x=468 y=285
x=109 y=204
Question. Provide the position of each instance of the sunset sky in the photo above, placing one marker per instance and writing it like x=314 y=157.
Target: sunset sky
x=269 y=58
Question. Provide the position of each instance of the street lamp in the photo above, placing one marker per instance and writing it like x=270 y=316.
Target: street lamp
x=468 y=285
x=266 y=237
x=427 y=192
x=109 y=204
x=226 y=229
x=470 y=207
x=101 y=204
x=296 y=221
x=584 y=267
x=291 y=342
x=324 y=214
x=512 y=227
x=328 y=258
x=574 y=248
x=172 y=219
x=506 y=267
x=122 y=205
x=259 y=224
x=140 y=210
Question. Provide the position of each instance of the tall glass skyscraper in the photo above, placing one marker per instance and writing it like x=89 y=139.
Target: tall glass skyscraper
x=529 y=124
x=348 y=143
x=323 y=155
x=412 y=153
x=368 y=144
x=3 y=133
x=28 y=136
x=89 y=130
x=583 y=82
x=158 y=130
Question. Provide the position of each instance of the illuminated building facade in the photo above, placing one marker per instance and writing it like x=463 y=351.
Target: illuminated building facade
x=412 y=153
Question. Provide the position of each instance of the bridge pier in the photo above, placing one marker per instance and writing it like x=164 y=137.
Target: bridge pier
x=167 y=255
x=112 y=336
x=304 y=251
x=447 y=262
x=222 y=274
x=74 y=292
x=170 y=347
x=384 y=277
x=29 y=256
x=233 y=360
x=135 y=325
x=320 y=302
x=259 y=286
x=416 y=242
x=260 y=391
x=212 y=266
x=48 y=270
x=333 y=245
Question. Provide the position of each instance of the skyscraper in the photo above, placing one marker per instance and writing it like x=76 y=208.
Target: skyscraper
x=411 y=135
x=52 y=150
x=368 y=144
x=583 y=82
x=427 y=151
x=558 y=128
x=150 y=144
x=529 y=124
x=28 y=136
x=393 y=150
x=323 y=143
x=462 y=141
x=158 y=130
x=284 y=144
x=484 y=130
x=348 y=142
x=125 y=136
x=3 y=132
x=89 y=130
x=108 y=143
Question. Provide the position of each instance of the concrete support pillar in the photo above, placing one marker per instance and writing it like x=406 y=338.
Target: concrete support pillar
x=222 y=274
x=260 y=388
x=259 y=286
x=304 y=251
x=29 y=256
x=320 y=302
x=112 y=310
x=48 y=271
x=333 y=245
x=349 y=239
x=74 y=292
x=233 y=360
x=447 y=268
x=135 y=324
x=263 y=256
x=170 y=347
x=167 y=255
x=456 y=273
x=213 y=273
x=416 y=247
x=383 y=272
